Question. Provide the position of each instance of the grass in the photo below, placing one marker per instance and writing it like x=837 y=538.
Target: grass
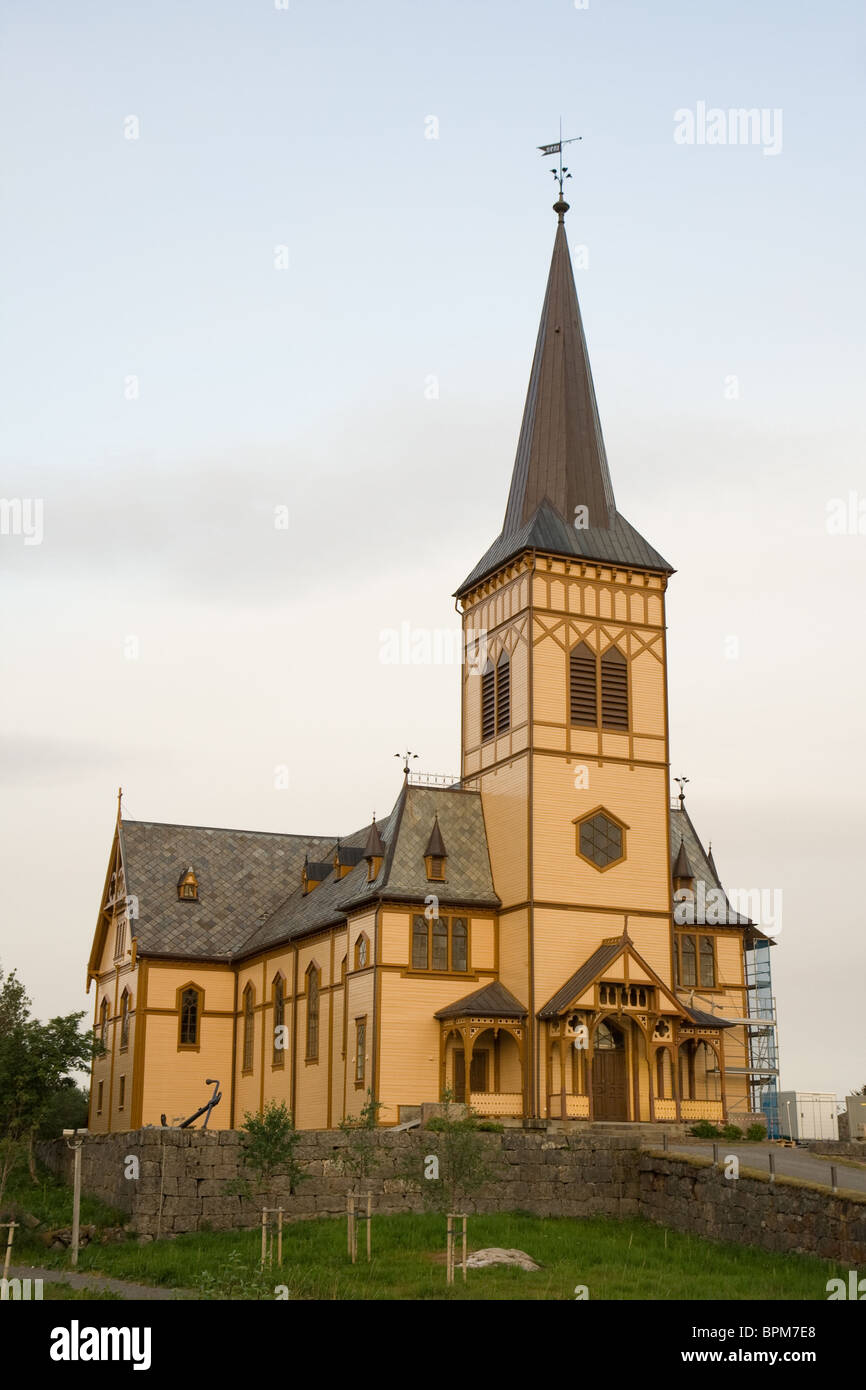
x=616 y=1260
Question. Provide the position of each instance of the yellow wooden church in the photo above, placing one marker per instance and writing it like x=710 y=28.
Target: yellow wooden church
x=532 y=936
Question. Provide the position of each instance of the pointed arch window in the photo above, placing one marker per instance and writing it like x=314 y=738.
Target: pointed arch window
x=190 y=1003
x=362 y=951
x=103 y=1023
x=312 y=1013
x=249 y=998
x=664 y=1074
x=614 y=689
x=125 y=1002
x=278 y=1051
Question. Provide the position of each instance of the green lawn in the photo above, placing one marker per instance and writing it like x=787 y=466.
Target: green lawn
x=615 y=1259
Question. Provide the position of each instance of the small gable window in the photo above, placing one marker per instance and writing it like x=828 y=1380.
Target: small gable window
x=187 y=887
x=435 y=854
x=190 y=1015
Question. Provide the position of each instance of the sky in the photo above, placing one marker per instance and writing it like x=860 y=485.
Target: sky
x=267 y=261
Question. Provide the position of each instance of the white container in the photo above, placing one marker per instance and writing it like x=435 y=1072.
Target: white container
x=808 y=1115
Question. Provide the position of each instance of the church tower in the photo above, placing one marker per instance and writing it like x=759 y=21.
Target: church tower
x=565 y=723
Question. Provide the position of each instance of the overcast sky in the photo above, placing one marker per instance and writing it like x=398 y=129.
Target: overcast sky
x=260 y=258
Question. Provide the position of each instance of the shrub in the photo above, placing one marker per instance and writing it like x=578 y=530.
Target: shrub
x=705 y=1129
x=491 y=1127
x=756 y=1133
x=732 y=1132
x=437 y=1123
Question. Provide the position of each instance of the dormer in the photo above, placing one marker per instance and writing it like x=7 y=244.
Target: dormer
x=187 y=886
x=374 y=852
x=435 y=854
x=313 y=874
x=345 y=859
x=683 y=872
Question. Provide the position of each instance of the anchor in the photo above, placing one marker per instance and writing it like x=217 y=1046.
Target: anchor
x=208 y=1106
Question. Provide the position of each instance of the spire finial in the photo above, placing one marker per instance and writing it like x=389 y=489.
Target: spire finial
x=119 y=799
x=560 y=207
x=682 y=785
x=406 y=756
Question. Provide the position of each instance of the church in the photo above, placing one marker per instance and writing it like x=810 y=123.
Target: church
x=531 y=936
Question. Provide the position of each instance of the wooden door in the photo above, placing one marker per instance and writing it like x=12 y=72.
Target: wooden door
x=610 y=1085
x=459 y=1075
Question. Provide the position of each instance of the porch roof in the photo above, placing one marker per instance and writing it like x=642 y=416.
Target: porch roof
x=490 y=999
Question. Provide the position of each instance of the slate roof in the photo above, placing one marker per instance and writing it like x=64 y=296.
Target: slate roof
x=703 y=870
x=490 y=999
x=242 y=876
x=250 y=889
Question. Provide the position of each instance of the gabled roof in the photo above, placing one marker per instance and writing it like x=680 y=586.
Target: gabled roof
x=493 y=999
x=561 y=462
x=582 y=978
x=436 y=845
x=595 y=966
x=682 y=867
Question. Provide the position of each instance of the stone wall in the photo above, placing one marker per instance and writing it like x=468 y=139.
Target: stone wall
x=182 y=1178
x=694 y=1196
x=836 y=1148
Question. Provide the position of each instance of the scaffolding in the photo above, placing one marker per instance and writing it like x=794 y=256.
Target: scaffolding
x=761 y=1034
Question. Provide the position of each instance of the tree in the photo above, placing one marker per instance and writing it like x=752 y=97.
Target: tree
x=462 y=1165
x=34 y=1061
x=361 y=1155
x=269 y=1140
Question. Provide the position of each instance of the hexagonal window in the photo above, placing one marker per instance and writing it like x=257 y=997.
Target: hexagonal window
x=601 y=839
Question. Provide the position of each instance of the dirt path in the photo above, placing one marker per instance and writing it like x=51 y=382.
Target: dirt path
x=98 y=1283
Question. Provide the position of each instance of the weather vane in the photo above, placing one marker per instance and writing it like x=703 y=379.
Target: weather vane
x=560 y=174
x=406 y=756
x=682 y=785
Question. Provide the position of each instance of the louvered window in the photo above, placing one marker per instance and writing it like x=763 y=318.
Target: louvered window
x=496 y=697
x=614 y=690
x=583 y=685
x=503 y=693
x=488 y=702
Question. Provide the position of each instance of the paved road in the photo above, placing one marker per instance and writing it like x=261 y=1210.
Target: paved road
x=793 y=1163
x=98 y=1283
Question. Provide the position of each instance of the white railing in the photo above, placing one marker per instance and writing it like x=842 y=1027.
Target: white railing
x=432 y=779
